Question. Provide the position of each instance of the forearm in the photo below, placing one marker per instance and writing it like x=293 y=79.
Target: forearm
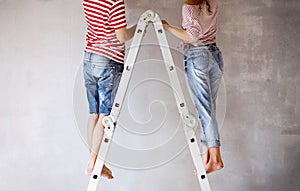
x=125 y=34
x=130 y=32
x=179 y=33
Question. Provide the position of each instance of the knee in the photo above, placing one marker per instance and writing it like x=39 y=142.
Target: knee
x=101 y=115
x=94 y=116
x=100 y=118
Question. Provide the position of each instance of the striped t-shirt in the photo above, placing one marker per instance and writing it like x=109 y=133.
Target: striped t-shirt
x=200 y=25
x=103 y=17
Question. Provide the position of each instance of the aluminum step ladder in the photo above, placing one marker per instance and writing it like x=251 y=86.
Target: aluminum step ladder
x=189 y=121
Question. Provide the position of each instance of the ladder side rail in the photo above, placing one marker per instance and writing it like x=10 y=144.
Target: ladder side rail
x=196 y=157
x=105 y=144
x=128 y=68
x=170 y=66
x=188 y=119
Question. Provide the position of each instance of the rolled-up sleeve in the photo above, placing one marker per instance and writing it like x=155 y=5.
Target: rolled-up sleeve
x=189 y=23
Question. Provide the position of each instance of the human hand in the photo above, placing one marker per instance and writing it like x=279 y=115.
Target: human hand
x=165 y=24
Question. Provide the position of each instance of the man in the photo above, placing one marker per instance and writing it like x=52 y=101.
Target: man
x=103 y=66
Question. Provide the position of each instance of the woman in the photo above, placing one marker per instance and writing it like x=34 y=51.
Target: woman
x=103 y=66
x=203 y=69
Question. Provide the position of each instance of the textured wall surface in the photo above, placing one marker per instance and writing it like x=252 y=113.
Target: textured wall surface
x=43 y=109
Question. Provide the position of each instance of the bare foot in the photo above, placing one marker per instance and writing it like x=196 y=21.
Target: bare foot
x=106 y=172
x=214 y=162
x=213 y=166
x=205 y=158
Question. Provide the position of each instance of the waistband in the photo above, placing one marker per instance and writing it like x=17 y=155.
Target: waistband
x=188 y=45
x=97 y=59
x=91 y=56
x=192 y=48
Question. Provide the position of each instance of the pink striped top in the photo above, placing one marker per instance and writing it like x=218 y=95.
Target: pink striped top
x=103 y=17
x=201 y=25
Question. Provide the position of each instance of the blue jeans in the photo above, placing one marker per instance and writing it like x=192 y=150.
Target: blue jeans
x=203 y=67
x=101 y=78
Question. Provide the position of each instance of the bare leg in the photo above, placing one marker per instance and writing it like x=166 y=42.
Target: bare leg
x=214 y=162
x=95 y=135
x=93 y=118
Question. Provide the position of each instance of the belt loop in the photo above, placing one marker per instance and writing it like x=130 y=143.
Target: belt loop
x=88 y=56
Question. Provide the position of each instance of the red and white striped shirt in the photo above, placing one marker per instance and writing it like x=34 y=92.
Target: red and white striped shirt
x=103 y=17
x=200 y=25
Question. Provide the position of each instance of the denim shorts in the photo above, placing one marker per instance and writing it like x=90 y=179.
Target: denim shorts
x=203 y=67
x=101 y=78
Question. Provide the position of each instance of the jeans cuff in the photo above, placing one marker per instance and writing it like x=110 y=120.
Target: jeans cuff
x=209 y=144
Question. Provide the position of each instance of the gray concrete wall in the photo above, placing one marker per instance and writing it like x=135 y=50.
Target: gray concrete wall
x=43 y=108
